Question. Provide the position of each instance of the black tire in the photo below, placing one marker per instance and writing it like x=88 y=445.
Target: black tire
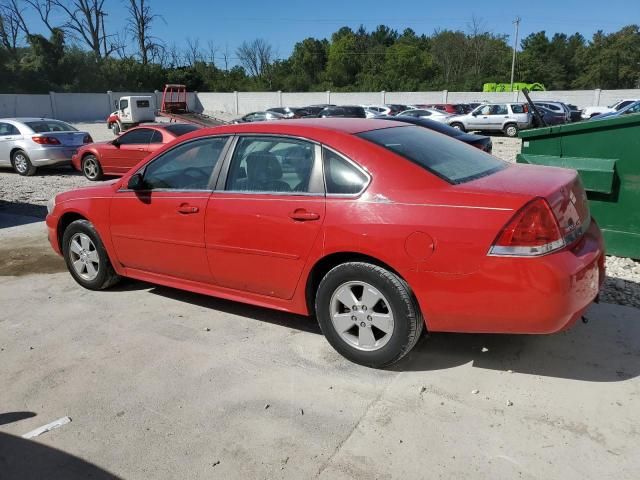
x=91 y=168
x=21 y=163
x=106 y=275
x=408 y=321
x=511 y=130
x=115 y=128
x=459 y=126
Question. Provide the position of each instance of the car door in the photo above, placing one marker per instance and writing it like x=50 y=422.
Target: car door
x=131 y=147
x=160 y=228
x=265 y=215
x=9 y=134
x=479 y=119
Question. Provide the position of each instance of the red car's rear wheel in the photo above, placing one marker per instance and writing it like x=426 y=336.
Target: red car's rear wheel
x=91 y=168
x=368 y=314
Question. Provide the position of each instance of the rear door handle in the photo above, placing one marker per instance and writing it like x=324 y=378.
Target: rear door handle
x=301 y=215
x=185 y=208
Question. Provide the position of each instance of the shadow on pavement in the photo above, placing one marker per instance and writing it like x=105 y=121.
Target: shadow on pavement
x=606 y=349
x=10 y=417
x=284 y=319
x=14 y=213
x=27 y=459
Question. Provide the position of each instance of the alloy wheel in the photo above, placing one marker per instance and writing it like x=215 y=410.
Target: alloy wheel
x=90 y=167
x=21 y=163
x=84 y=256
x=362 y=316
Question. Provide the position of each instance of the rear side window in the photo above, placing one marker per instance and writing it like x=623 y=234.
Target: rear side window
x=449 y=159
x=142 y=103
x=341 y=176
x=8 y=129
x=517 y=108
x=156 y=137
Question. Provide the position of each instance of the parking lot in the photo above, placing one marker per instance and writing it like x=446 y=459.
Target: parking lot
x=161 y=383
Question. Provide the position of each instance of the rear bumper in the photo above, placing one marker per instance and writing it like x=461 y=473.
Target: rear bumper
x=51 y=155
x=516 y=295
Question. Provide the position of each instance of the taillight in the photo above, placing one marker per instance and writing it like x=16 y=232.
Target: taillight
x=44 y=140
x=87 y=139
x=532 y=231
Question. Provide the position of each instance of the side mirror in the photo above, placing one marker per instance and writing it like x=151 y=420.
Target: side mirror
x=116 y=143
x=115 y=104
x=475 y=114
x=136 y=182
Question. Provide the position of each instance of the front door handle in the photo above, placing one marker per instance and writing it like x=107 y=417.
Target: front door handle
x=140 y=149
x=186 y=209
x=301 y=215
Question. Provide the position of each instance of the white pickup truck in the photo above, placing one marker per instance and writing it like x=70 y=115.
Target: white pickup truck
x=592 y=111
x=131 y=112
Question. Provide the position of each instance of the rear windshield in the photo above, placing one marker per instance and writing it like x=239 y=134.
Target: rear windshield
x=179 y=129
x=45 y=126
x=450 y=159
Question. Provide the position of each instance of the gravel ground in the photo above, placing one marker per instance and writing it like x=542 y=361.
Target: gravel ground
x=29 y=196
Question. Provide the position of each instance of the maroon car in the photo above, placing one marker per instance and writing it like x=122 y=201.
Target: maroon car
x=117 y=156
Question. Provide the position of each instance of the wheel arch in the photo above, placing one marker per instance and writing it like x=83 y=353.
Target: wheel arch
x=326 y=263
x=65 y=220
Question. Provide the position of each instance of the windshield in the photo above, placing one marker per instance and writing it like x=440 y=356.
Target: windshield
x=46 y=126
x=449 y=159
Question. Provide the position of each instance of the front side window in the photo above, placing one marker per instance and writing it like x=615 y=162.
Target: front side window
x=341 y=176
x=186 y=167
x=448 y=158
x=139 y=136
x=270 y=165
x=124 y=104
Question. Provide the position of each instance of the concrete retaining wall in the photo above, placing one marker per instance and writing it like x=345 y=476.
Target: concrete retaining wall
x=96 y=106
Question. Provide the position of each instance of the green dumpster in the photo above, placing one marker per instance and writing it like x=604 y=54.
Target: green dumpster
x=606 y=154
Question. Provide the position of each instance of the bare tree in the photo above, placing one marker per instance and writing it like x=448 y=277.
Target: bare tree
x=192 y=54
x=44 y=9
x=139 y=25
x=256 y=56
x=84 y=20
x=226 y=56
x=212 y=51
x=12 y=23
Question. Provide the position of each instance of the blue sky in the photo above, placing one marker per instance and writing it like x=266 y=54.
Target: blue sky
x=284 y=22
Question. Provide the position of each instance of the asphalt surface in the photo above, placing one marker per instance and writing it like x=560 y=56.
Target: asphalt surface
x=165 y=384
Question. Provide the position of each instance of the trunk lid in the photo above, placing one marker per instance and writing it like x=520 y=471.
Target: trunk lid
x=560 y=187
x=66 y=139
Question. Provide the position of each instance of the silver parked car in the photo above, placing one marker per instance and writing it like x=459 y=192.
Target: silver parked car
x=29 y=143
x=494 y=117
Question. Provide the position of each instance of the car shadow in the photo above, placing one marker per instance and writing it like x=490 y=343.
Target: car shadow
x=10 y=417
x=26 y=459
x=13 y=214
x=606 y=349
x=283 y=319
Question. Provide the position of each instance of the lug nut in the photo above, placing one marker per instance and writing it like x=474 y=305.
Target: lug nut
x=355 y=307
x=369 y=317
x=354 y=318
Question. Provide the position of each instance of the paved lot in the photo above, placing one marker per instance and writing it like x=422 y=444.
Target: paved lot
x=153 y=394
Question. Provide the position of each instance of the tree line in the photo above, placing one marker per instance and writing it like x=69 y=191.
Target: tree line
x=76 y=53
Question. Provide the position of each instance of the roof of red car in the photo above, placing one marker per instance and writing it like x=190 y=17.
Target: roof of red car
x=343 y=125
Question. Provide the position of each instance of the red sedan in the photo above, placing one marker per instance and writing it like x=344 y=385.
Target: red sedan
x=117 y=156
x=380 y=229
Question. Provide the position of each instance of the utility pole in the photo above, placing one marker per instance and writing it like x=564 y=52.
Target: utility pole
x=515 y=47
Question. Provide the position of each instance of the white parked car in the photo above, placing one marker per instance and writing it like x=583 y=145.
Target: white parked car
x=430 y=113
x=379 y=109
x=29 y=143
x=592 y=111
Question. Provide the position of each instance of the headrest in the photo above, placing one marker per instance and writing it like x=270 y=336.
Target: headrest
x=263 y=167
